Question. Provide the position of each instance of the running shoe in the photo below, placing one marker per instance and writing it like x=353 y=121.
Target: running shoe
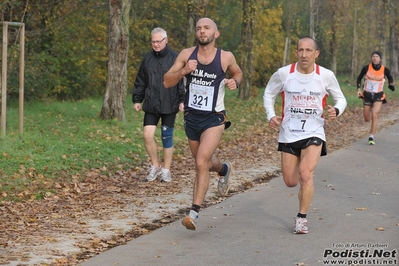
x=190 y=220
x=154 y=173
x=301 y=226
x=371 y=141
x=165 y=175
x=223 y=184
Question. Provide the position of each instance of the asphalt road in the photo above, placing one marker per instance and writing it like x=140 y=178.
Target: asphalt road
x=353 y=220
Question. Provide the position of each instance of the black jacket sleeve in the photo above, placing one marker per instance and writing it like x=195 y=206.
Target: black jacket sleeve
x=140 y=84
x=387 y=73
x=182 y=91
x=361 y=75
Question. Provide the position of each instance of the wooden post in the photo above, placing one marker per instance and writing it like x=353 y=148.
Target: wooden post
x=4 y=76
x=4 y=80
x=21 y=80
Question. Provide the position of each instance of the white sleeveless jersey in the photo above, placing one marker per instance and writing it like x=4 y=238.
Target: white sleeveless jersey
x=304 y=97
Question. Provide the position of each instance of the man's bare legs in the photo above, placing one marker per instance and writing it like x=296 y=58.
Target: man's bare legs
x=301 y=170
x=150 y=144
x=202 y=152
x=372 y=112
x=375 y=112
x=366 y=112
x=151 y=147
x=167 y=157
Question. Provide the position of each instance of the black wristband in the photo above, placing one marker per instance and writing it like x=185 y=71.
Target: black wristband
x=236 y=83
x=336 y=111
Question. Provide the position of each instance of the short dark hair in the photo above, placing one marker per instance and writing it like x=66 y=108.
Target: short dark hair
x=308 y=37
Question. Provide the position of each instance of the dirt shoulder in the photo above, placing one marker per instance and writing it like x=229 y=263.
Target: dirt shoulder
x=87 y=217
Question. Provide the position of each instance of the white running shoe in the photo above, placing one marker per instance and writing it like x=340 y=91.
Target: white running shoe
x=190 y=220
x=154 y=173
x=301 y=226
x=165 y=175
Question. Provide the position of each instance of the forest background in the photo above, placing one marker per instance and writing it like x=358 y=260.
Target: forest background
x=72 y=166
x=66 y=41
x=67 y=71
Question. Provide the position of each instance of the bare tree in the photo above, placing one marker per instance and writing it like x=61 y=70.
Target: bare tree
x=289 y=17
x=393 y=8
x=338 y=20
x=394 y=48
x=313 y=11
x=354 y=44
x=246 y=60
x=333 y=40
x=118 y=47
x=196 y=10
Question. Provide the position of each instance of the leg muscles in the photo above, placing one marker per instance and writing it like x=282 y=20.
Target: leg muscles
x=309 y=160
x=202 y=152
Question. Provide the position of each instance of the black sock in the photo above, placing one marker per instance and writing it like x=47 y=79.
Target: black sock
x=301 y=215
x=223 y=172
x=195 y=208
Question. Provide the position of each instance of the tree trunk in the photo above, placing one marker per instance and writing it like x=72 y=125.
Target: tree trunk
x=287 y=46
x=196 y=10
x=394 y=40
x=394 y=62
x=354 y=47
x=333 y=42
x=382 y=22
x=118 y=46
x=246 y=61
x=289 y=18
x=312 y=13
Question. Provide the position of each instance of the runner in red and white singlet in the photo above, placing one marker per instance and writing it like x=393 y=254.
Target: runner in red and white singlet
x=304 y=87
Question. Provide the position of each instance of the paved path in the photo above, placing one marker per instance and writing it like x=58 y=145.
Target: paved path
x=356 y=191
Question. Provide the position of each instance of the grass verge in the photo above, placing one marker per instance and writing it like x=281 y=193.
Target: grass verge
x=64 y=140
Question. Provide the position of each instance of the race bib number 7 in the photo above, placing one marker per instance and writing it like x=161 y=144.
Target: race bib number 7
x=201 y=97
x=302 y=125
x=303 y=120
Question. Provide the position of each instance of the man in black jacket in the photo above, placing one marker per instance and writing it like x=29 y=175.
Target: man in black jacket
x=159 y=102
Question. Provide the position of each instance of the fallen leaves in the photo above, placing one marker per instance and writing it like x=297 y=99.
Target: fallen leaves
x=63 y=219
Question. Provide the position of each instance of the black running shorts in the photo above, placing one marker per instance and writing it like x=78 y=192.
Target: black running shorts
x=153 y=119
x=295 y=148
x=370 y=98
x=195 y=125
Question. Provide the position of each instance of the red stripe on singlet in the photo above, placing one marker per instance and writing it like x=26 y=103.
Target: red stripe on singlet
x=292 y=69
x=317 y=69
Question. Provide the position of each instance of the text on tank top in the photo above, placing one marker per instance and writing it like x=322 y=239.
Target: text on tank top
x=304 y=99
x=374 y=81
x=205 y=86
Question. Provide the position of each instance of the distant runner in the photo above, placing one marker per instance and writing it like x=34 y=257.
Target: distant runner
x=373 y=95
